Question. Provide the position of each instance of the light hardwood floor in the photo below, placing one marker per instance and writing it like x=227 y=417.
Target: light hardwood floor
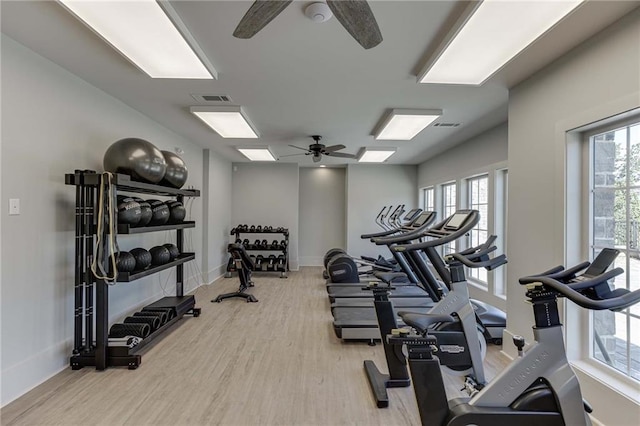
x=276 y=362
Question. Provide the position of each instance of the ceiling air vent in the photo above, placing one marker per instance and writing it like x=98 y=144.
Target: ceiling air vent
x=211 y=98
x=446 y=124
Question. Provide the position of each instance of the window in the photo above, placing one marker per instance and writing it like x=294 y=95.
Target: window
x=615 y=223
x=448 y=208
x=429 y=199
x=478 y=199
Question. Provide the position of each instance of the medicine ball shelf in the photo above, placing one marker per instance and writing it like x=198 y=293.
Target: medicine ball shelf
x=92 y=294
x=125 y=228
x=125 y=277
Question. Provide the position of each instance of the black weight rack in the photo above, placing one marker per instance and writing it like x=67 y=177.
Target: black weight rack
x=92 y=295
x=282 y=247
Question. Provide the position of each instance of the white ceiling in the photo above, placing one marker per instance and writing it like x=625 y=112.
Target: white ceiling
x=296 y=78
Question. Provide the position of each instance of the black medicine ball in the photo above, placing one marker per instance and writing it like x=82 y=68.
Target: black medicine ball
x=129 y=211
x=160 y=255
x=160 y=212
x=177 y=212
x=142 y=256
x=125 y=262
x=145 y=210
x=173 y=250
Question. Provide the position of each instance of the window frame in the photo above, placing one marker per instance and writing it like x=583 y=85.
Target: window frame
x=586 y=357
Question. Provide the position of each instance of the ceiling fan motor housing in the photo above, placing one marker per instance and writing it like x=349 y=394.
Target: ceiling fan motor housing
x=318 y=12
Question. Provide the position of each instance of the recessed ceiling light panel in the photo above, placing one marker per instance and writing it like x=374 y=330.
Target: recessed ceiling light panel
x=145 y=32
x=405 y=124
x=490 y=35
x=375 y=155
x=228 y=122
x=257 y=153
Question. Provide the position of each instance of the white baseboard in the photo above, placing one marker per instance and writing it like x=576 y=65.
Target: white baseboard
x=22 y=377
x=311 y=261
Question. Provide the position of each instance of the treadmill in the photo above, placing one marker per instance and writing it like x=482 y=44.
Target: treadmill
x=358 y=320
x=408 y=232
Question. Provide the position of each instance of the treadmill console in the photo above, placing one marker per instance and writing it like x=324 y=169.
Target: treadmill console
x=422 y=219
x=412 y=214
x=456 y=221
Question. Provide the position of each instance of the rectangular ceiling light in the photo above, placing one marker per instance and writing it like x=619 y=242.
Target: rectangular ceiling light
x=404 y=124
x=148 y=33
x=488 y=36
x=228 y=122
x=375 y=155
x=255 y=153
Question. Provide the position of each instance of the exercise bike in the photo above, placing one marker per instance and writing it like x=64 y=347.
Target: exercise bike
x=539 y=387
x=452 y=321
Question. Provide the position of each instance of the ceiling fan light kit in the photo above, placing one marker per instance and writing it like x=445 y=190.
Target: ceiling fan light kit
x=405 y=124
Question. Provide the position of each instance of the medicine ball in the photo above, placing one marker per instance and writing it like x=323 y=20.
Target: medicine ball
x=125 y=262
x=173 y=250
x=159 y=212
x=137 y=158
x=177 y=212
x=160 y=255
x=142 y=256
x=129 y=210
x=146 y=213
x=176 y=173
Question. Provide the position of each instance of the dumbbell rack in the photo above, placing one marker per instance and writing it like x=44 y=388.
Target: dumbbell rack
x=283 y=269
x=92 y=294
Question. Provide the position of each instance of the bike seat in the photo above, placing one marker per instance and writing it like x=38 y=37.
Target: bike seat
x=421 y=322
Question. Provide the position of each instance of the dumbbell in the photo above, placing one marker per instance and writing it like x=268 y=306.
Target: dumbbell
x=274 y=244
x=243 y=228
x=238 y=241
x=246 y=242
x=259 y=228
x=283 y=243
x=264 y=244
x=256 y=243
x=268 y=228
x=281 y=260
x=252 y=228
x=231 y=266
x=258 y=262
x=271 y=266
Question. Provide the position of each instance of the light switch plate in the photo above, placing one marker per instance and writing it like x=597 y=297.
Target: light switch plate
x=14 y=206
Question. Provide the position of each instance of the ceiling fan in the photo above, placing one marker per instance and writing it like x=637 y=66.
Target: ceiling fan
x=318 y=150
x=354 y=15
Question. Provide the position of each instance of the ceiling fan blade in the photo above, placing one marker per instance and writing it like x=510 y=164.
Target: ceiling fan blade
x=357 y=18
x=316 y=158
x=290 y=155
x=258 y=16
x=304 y=149
x=334 y=148
x=341 y=155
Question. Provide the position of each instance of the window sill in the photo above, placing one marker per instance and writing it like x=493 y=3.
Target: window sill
x=616 y=382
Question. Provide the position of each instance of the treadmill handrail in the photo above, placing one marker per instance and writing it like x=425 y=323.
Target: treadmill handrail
x=402 y=228
x=407 y=236
x=440 y=237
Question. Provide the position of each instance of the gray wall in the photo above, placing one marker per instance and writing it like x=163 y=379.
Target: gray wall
x=599 y=79
x=369 y=187
x=267 y=194
x=217 y=188
x=53 y=123
x=322 y=213
x=475 y=154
